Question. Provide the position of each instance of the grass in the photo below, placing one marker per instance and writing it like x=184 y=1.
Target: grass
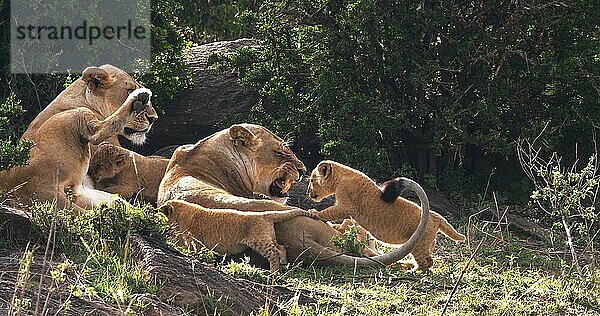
x=97 y=244
x=506 y=276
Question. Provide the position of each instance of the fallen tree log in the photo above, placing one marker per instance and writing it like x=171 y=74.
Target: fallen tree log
x=19 y=294
x=190 y=284
x=198 y=111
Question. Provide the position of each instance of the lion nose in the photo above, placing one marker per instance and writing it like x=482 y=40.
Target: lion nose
x=151 y=118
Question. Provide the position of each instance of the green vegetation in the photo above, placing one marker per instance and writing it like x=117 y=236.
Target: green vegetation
x=350 y=241
x=499 y=281
x=453 y=94
x=13 y=152
x=97 y=242
x=429 y=85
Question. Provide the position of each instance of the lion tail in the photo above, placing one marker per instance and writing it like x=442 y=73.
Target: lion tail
x=391 y=190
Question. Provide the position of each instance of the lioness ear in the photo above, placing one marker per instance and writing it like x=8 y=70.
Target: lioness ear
x=324 y=169
x=166 y=209
x=95 y=77
x=242 y=136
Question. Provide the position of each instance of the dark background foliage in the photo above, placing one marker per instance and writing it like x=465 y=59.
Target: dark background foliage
x=439 y=88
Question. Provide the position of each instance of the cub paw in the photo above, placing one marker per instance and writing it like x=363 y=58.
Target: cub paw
x=141 y=99
x=314 y=214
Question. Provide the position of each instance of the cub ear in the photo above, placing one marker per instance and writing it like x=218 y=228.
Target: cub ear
x=96 y=77
x=324 y=169
x=242 y=136
x=166 y=209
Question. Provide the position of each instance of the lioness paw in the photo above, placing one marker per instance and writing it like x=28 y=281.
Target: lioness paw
x=141 y=99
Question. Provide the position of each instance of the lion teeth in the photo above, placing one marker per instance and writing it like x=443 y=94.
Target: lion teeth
x=287 y=186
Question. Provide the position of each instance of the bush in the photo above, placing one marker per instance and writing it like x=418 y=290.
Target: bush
x=13 y=152
x=381 y=85
x=567 y=195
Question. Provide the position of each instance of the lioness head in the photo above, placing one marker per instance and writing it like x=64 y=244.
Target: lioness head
x=269 y=162
x=320 y=185
x=107 y=161
x=107 y=87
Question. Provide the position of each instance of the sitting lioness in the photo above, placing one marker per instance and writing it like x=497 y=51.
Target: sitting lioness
x=59 y=160
x=117 y=170
x=226 y=169
x=390 y=218
x=102 y=90
x=229 y=231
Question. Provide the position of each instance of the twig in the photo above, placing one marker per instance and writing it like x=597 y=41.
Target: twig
x=462 y=273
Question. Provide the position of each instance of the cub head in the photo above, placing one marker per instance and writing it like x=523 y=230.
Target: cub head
x=321 y=181
x=107 y=161
x=106 y=88
x=267 y=160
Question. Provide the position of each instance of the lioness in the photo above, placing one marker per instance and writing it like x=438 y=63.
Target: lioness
x=224 y=170
x=117 y=170
x=390 y=218
x=102 y=90
x=230 y=231
x=59 y=160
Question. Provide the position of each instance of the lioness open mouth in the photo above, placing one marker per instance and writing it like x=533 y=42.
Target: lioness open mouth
x=280 y=187
x=131 y=131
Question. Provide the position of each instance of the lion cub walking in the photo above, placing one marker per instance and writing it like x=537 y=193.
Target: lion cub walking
x=230 y=231
x=390 y=218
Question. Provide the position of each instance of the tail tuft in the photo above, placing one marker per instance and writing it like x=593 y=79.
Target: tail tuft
x=391 y=190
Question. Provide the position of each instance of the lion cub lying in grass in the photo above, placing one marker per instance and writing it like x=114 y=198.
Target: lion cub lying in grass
x=390 y=218
x=117 y=170
x=230 y=231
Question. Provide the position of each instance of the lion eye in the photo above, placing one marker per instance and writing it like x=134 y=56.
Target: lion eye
x=282 y=154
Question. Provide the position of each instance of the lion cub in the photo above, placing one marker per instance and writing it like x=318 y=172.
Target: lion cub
x=117 y=170
x=390 y=218
x=230 y=231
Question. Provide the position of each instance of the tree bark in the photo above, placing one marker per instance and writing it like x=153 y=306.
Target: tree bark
x=197 y=112
x=188 y=283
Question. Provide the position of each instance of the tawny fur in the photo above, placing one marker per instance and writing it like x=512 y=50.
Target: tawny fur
x=102 y=90
x=224 y=170
x=117 y=170
x=229 y=231
x=60 y=157
x=358 y=197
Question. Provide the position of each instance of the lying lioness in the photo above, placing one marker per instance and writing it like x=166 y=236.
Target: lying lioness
x=226 y=169
x=59 y=160
x=390 y=218
x=117 y=170
x=230 y=231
